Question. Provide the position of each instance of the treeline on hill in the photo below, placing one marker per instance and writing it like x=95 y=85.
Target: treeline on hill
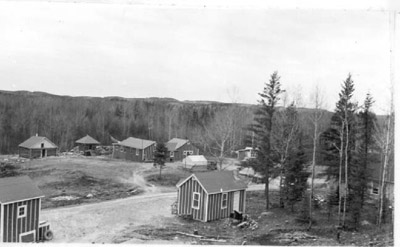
x=64 y=119
x=216 y=128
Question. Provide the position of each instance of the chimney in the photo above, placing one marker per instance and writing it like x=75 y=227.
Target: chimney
x=236 y=174
x=36 y=134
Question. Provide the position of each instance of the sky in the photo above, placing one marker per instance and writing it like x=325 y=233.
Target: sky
x=193 y=52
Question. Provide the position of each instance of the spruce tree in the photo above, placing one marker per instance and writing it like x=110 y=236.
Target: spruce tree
x=262 y=127
x=339 y=142
x=296 y=177
x=160 y=156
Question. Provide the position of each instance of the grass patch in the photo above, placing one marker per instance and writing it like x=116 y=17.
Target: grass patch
x=168 y=179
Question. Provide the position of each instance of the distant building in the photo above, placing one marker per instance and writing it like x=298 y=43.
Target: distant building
x=246 y=153
x=134 y=149
x=20 y=202
x=211 y=196
x=180 y=148
x=195 y=163
x=87 y=143
x=249 y=172
x=37 y=147
x=374 y=179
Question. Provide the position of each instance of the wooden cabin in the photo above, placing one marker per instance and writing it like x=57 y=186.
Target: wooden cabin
x=20 y=202
x=37 y=147
x=134 y=149
x=374 y=181
x=87 y=144
x=246 y=153
x=209 y=196
x=180 y=149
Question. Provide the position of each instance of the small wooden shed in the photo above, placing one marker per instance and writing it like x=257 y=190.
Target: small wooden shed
x=87 y=143
x=209 y=196
x=20 y=202
x=180 y=148
x=195 y=163
x=37 y=147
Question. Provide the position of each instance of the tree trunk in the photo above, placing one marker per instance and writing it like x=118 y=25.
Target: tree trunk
x=340 y=173
x=346 y=161
x=385 y=164
x=313 y=171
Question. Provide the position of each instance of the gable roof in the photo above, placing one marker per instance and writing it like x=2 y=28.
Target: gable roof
x=136 y=143
x=36 y=141
x=18 y=188
x=178 y=143
x=87 y=140
x=217 y=181
x=171 y=146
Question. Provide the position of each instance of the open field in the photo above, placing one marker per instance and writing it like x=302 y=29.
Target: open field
x=69 y=180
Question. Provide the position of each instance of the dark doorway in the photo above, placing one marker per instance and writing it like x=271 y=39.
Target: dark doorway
x=43 y=152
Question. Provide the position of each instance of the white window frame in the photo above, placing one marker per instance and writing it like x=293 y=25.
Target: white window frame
x=226 y=200
x=373 y=191
x=137 y=152
x=198 y=200
x=18 y=211
x=171 y=154
x=122 y=149
x=187 y=152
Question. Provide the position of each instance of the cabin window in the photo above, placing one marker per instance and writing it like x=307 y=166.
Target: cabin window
x=122 y=149
x=375 y=191
x=196 y=200
x=171 y=154
x=187 y=152
x=21 y=211
x=137 y=152
x=42 y=145
x=253 y=154
x=224 y=200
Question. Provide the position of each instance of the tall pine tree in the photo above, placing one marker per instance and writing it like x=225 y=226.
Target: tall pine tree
x=339 y=143
x=262 y=127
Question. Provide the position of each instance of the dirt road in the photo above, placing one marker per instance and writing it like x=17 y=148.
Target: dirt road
x=102 y=222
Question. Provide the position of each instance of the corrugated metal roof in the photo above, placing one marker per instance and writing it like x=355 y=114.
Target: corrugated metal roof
x=87 y=140
x=179 y=143
x=18 y=188
x=218 y=181
x=35 y=143
x=136 y=143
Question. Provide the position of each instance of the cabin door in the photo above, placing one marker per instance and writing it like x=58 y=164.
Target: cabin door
x=236 y=197
x=43 y=153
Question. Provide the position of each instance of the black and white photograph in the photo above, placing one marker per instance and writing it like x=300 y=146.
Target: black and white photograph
x=198 y=122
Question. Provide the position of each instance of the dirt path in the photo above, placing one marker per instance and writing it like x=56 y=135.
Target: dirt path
x=101 y=222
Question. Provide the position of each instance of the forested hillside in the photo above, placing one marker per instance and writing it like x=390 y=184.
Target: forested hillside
x=64 y=119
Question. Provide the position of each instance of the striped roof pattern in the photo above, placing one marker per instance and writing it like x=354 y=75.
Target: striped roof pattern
x=136 y=143
x=175 y=143
x=217 y=181
x=35 y=142
x=18 y=188
x=87 y=140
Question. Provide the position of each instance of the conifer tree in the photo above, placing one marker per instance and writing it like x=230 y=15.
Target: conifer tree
x=262 y=127
x=160 y=156
x=340 y=142
x=296 y=176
